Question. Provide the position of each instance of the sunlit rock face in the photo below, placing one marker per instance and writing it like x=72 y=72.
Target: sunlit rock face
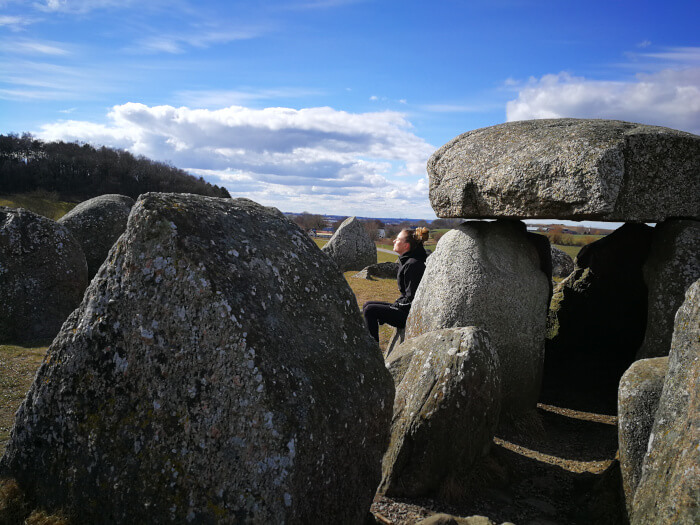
x=350 y=247
x=43 y=275
x=488 y=275
x=96 y=224
x=217 y=370
x=667 y=491
x=576 y=169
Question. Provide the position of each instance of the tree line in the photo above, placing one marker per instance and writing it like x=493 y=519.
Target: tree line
x=80 y=171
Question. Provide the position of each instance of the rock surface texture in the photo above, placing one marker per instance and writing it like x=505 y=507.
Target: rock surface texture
x=638 y=399
x=669 y=488
x=597 y=317
x=384 y=270
x=96 y=224
x=199 y=380
x=573 y=169
x=445 y=412
x=350 y=247
x=42 y=276
x=562 y=264
x=673 y=265
x=487 y=274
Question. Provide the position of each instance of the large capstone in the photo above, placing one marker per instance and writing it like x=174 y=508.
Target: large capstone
x=637 y=401
x=574 y=169
x=350 y=247
x=673 y=265
x=488 y=274
x=597 y=319
x=96 y=224
x=43 y=275
x=668 y=489
x=445 y=412
x=218 y=370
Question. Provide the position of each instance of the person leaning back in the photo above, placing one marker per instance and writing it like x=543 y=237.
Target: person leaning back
x=409 y=245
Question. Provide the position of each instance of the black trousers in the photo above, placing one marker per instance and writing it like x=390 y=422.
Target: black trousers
x=378 y=312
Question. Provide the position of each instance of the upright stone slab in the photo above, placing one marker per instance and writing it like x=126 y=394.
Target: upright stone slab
x=673 y=265
x=637 y=401
x=350 y=246
x=218 y=370
x=597 y=317
x=42 y=276
x=562 y=264
x=669 y=488
x=445 y=412
x=96 y=224
x=487 y=274
x=577 y=169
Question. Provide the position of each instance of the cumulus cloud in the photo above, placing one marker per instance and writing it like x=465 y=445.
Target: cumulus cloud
x=356 y=163
x=670 y=97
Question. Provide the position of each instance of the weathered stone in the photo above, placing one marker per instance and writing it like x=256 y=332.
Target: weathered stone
x=42 y=276
x=597 y=317
x=669 y=488
x=562 y=264
x=673 y=265
x=445 y=411
x=637 y=401
x=218 y=370
x=350 y=247
x=574 y=169
x=448 y=519
x=384 y=270
x=487 y=274
x=96 y=224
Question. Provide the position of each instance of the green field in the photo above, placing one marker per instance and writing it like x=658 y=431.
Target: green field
x=41 y=203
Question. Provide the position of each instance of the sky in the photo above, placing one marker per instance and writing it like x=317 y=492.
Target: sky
x=335 y=106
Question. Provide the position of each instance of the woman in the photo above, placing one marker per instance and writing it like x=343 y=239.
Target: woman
x=409 y=245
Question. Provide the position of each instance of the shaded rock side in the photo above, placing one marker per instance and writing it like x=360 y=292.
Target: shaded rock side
x=673 y=265
x=96 y=224
x=384 y=270
x=562 y=263
x=487 y=274
x=597 y=317
x=350 y=247
x=199 y=380
x=43 y=275
x=669 y=488
x=638 y=399
x=445 y=411
x=574 y=169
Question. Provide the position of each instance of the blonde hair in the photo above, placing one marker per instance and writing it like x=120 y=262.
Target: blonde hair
x=417 y=236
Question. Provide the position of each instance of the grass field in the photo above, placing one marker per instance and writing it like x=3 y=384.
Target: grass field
x=41 y=203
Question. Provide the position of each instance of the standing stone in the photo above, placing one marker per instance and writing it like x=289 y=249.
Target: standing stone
x=637 y=401
x=96 y=224
x=673 y=265
x=562 y=264
x=669 y=488
x=487 y=274
x=577 y=169
x=42 y=276
x=350 y=247
x=218 y=370
x=597 y=317
x=445 y=412
x=383 y=270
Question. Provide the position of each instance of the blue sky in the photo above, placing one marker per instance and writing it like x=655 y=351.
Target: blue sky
x=334 y=106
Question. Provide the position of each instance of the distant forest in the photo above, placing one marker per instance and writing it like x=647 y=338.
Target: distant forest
x=80 y=171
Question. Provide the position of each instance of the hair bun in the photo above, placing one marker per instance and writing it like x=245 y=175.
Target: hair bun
x=422 y=234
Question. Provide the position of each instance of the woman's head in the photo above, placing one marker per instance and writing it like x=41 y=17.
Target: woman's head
x=408 y=239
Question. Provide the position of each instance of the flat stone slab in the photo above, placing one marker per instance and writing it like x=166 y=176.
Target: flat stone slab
x=576 y=169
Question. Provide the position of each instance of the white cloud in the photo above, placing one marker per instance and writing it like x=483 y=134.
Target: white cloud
x=79 y=6
x=223 y=98
x=670 y=97
x=318 y=159
x=15 y=23
x=178 y=43
x=36 y=47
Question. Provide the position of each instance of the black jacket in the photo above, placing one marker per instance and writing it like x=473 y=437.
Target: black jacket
x=411 y=268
